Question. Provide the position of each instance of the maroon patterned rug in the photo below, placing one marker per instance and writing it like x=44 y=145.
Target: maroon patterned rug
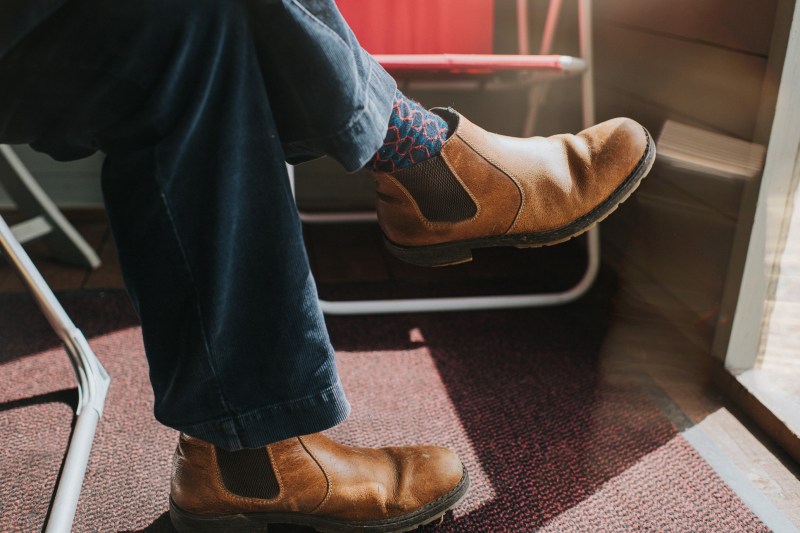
x=551 y=445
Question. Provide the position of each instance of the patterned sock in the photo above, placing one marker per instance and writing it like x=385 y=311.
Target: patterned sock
x=415 y=134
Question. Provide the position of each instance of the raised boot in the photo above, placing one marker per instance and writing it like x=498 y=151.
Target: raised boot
x=315 y=482
x=488 y=190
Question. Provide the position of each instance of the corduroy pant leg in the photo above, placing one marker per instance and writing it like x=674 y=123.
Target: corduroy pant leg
x=197 y=104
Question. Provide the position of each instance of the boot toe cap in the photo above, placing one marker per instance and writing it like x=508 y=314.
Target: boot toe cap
x=427 y=474
x=619 y=143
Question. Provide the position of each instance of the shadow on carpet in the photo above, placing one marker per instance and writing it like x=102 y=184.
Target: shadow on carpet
x=549 y=443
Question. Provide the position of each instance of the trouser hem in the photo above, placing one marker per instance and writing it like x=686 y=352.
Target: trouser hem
x=274 y=423
x=355 y=144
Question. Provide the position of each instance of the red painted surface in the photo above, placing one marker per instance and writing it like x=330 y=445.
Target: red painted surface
x=421 y=26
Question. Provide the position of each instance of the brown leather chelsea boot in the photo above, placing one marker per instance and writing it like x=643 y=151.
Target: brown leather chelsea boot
x=491 y=190
x=315 y=482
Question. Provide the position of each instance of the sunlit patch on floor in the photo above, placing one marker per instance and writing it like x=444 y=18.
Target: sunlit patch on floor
x=673 y=478
x=408 y=405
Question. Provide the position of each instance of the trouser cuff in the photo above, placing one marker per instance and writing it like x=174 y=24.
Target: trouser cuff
x=274 y=423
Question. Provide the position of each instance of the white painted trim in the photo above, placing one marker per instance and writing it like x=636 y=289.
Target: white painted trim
x=738 y=481
x=779 y=170
x=71 y=184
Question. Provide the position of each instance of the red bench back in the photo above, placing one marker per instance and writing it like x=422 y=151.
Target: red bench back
x=421 y=26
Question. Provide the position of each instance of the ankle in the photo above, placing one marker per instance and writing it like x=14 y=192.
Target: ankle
x=414 y=134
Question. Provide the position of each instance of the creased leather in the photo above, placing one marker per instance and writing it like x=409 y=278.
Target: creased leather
x=318 y=476
x=519 y=185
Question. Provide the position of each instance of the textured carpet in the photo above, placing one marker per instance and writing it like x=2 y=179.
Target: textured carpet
x=550 y=443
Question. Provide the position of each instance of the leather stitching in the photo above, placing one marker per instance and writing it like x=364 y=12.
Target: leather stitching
x=324 y=473
x=276 y=471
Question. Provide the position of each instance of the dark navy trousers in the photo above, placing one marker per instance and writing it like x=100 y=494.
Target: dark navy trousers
x=197 y=105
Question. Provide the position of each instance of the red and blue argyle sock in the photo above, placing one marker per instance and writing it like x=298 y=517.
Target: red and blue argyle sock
x=415 y=134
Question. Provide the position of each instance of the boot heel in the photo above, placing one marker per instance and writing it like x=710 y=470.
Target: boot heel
x=431 y=256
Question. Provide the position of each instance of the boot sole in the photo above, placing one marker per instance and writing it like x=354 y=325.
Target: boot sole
x=454 y=253
x=186 y=522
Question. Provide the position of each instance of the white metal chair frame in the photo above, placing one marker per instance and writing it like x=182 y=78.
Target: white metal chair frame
x=93 y=382
x=583 y=66
x=46 y=221
x=44 y=218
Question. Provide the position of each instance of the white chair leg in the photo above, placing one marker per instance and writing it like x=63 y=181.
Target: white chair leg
x=93 y=382
x=461 y=303
x=474 y=303
x=30 y=199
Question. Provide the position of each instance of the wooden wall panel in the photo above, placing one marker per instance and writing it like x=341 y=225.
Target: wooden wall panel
x=712 y=86
x=703 y=63
x=744 y=25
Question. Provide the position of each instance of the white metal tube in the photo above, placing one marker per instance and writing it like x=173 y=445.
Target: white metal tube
x=550 y=25
x=47 y=207
x=88 y=369
x=290 y=173
x=522 y=27
x=429 y=305
x=537 y=93
x=69 y=487
x=44 y=297
x=93 y=382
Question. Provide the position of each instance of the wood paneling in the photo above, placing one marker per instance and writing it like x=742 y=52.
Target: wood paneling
x=702 y=63
x=743 y=25
x=713 y=86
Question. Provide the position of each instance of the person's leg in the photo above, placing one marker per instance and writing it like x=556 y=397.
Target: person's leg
x=199 y=203
x=212 y=254
x=444 y=185
x=484 y=189
x=335 y=99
